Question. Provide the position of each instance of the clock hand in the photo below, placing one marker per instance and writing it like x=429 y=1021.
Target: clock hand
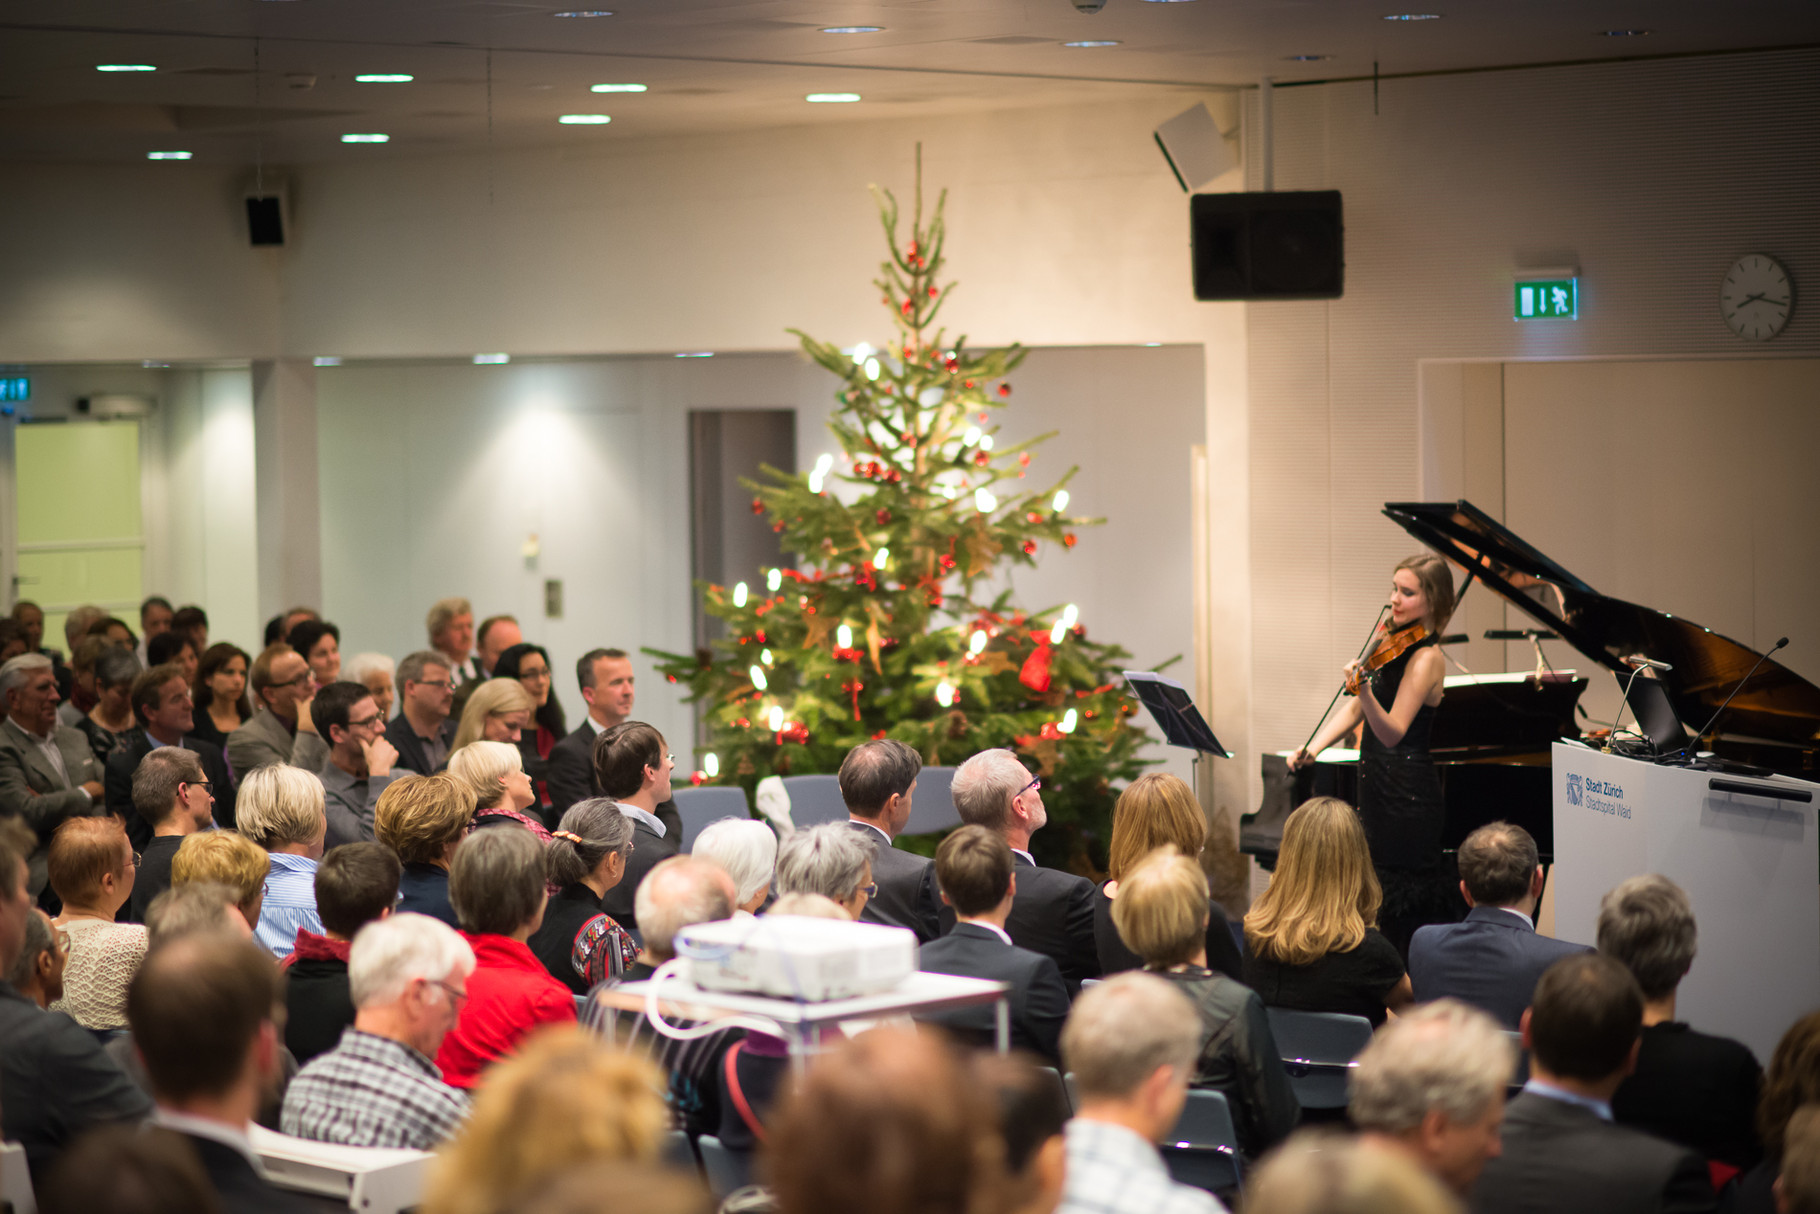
x=1750 y=299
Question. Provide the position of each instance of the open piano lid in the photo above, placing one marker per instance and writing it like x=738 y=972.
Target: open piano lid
x=1777 y=706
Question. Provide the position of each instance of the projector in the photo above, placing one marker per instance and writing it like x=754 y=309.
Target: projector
x=798 y=958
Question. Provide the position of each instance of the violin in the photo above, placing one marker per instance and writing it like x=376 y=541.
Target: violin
x=1395 y=644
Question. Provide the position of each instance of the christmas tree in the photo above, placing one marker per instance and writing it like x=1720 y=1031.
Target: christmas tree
x=878 y=632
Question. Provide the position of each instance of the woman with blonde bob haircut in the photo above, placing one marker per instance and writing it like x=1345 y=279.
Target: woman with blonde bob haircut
x=1162 y=915
x=566 y=1099
x=1312 y=939
x=1157 y=810
x=495 y=773
x=225 y=858
x=498 y=711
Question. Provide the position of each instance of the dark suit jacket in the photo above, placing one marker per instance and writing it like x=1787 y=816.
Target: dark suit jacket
x=405 y=741
x=1052 y=914
x=125 y=761
x=1039 y=1000
x=568 y=777
x=907 y=895
x=30 y=789
x=1562 y=1158
x=648 y=848
x=243 y=1190
x=1491 y=960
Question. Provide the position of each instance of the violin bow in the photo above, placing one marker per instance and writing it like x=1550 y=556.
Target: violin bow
x=1363 y=650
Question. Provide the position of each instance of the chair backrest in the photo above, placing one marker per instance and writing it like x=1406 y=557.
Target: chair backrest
x=814 y=800
x=701 y=807
x=16 y=1180
x=1318 y=1049
x=932 y=808
x=1203 y=1148
x=726 y=1169
x=1520 y=1075
x=1055 y=1077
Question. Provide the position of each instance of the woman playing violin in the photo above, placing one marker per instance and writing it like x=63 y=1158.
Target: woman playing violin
x=1399 y=790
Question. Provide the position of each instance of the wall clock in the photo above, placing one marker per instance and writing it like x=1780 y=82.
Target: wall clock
x=1757 y=297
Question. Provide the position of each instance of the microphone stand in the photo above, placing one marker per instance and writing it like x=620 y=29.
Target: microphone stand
x=1748 y=675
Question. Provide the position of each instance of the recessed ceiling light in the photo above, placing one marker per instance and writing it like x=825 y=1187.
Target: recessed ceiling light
x=583 y=12
x=698 y=354
x=327 y=360
x=152 y=364
x=487 y=360
x=852 y=29
x=384 y=78
x=1307 y=58
x=1092 y=43
x=832 y=98
x=617 y=88
x=1412 y=16
x=1626 y=33
x=584 y=119
x=125 y=67
x=167 y=155
x=368 y=138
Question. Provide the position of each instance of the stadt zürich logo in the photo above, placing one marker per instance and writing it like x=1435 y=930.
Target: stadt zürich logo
x=1576 y=789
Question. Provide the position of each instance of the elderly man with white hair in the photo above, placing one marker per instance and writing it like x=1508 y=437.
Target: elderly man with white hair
x=48 y=774
x=1052 y=911
x=1431 y=1086
x=829 y=860
x=379 y=1088
x=747 y=849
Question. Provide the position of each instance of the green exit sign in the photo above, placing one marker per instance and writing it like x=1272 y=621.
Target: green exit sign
x=1548 y=299
x=15 y=387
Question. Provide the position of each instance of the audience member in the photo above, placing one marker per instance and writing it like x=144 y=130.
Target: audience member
x=494 y=772
x=578 y=943
x=281 y=810
x=1798 y=1188
x=281 y=730
x=279 y=626
x=530 y=665
x=375 y=672
x=55 y=1081
x=877 y=781
x=223 y=857
x=974 y=872
x=359 y=764
x=450 y=625
x=1431 y=1086
x=632 y=765
x=82 y=681
x=175 y=649
x=222 y=704
x=1131 y=1042
x=202 y=1009
x=747 y=849
x=1161 y=916
x=116 y=632
x=681 y=891
x=422 y=731
x=173 y=799
x=1157 y=810
x=495 y=635
x=128 y=1170
x=1561 y=1153
x=422 y=819
x=808 y=906
x=1313 y=939
x=29 y=616
x=320 y=644
x=48 y=774
x=110 y=721
x=830 y=860
x=497 y=710
x=497 y=886
x=888 y=1123
x=1033 y=1121
x=13 y=643
x=377 y=1086
x=37 y=973
x=92 y=866
x=624 y=1188
x=162 y=704
x=1322 y=1172
x=356 y=884
x=1053 y=911
x=155 y=616
x=1493 y=959
x=1688 y=1087
x=567 y=1099
x=200 y=906
x=192 y=622
x=1792 y=1080
x=606 y=680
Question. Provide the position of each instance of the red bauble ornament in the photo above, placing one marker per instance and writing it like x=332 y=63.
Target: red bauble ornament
x=911 y=252
x=933 y=292
x=671 y=677
x=952 y=364
x=1029 y=547
x=1033 y=518
x=743 y=723
x=1035 y=673
x=1023 y=459
x=698 y=777
x=909 y=351
x=883 y=516
x=1004 y=389
x=966 y=383
x=983 y=418
x=908 y=305
x=947 y=562
x=778 y=525
x=1068 y=541
x=981 y=458
x=758 y=507
x=759 y=636
x=1053 y=731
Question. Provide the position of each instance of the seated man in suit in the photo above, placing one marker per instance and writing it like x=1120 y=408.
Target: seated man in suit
x=166 y=711
x=423 y=729
x=877 y=780
x=1430 y=1086
x=47 y=772
x=973 y=868
x=606 y=680
x=1493 y=959
x=632 y=765
x=1561 y=1152
x=1053 y=911
x=281 y=730
x=1689 y=1087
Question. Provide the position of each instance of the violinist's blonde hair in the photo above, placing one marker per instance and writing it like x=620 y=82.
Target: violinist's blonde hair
x=1436 y=581
x=1324 y=893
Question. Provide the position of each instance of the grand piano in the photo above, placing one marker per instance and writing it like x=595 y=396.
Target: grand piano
x=1491 y=740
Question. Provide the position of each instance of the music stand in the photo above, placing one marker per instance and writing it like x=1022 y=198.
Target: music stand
x=1173 y=710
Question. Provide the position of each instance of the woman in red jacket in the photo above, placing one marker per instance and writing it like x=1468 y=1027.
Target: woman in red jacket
x=496 y=884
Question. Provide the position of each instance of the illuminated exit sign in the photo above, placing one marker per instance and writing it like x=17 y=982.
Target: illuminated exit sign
x=15 y=388
x=1547 y=299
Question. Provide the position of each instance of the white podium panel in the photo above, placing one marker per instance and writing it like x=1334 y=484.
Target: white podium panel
x=1750 y=863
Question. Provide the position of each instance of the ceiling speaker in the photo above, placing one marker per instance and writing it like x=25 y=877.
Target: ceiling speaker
x=1195 y=149
x=1277 y=245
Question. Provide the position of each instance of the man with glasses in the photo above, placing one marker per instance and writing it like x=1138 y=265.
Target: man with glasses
x=173 y=798
x=359 y=766
x=281 y=730
x=423 y=728
x=1052 y=911
x=48 y=774
x=166 y=713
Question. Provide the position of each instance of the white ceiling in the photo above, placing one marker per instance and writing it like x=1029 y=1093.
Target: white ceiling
x=728 y=65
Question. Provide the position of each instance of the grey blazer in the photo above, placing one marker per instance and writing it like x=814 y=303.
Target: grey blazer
x=31 y=789
x=264 y=740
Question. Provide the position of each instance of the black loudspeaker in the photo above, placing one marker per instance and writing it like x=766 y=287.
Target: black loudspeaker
x=265 y=219
x=1287 y=245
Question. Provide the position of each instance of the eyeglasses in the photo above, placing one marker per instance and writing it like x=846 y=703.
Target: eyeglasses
x=870 y=889
x=445 y=684
x=1036 y=783
x=458 y=997
x=533 y=674
x=302 y=680
x=202 y=784
x=135 y=859
x=375 y=719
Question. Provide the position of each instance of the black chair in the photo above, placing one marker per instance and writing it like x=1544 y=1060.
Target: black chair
x=1203 y=1148
x=1318 y=1049
x=726 y=1169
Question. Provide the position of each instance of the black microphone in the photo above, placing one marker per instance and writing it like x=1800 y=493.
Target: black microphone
x=1520 y=634
x=1704 y=729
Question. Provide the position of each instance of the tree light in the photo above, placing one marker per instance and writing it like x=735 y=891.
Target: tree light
x=976 y=644
x=765 y=657
x=710 y=765
x=739 y=595
x=881 y=558
x=944 y=693
x=983 y=499
x=872 y=369
x=818 y=475
x=1061 y=500
x=843 y=637
x=758 y=677
x=1069 y=720
x=774 y=580
x=1057 y=633
x=1070 y=614
x=972 y=436
x=985 y=442
x=775 y=717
